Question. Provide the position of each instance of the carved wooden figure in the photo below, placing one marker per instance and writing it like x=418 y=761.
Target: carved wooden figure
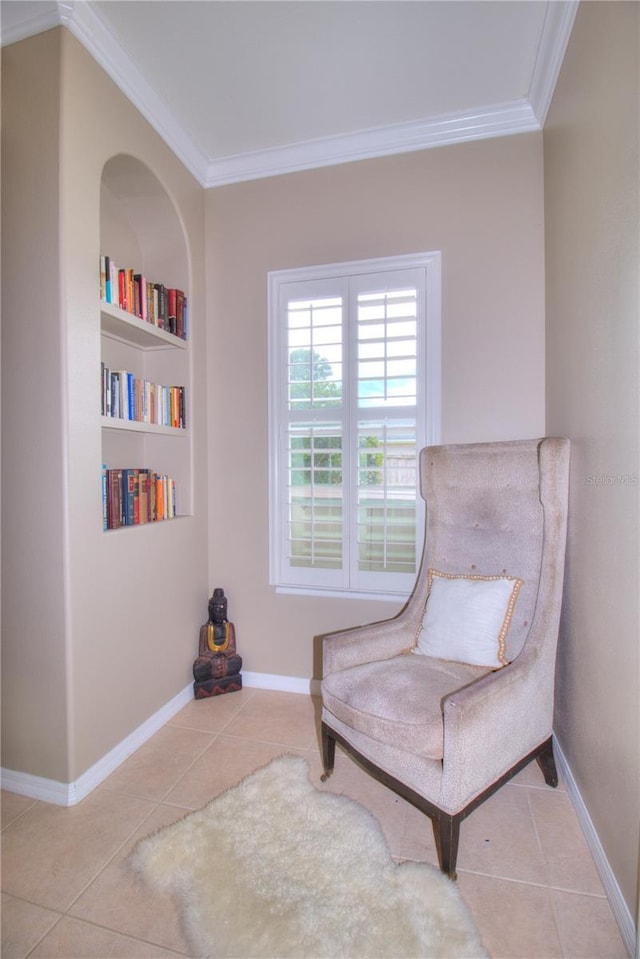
x=217 y=668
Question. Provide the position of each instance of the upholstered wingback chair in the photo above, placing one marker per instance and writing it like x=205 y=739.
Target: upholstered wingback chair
x=453 y=696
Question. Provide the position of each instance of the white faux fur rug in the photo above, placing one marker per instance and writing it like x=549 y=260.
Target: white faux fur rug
x=276 y=868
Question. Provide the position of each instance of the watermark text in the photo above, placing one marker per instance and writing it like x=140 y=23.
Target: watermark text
x=612 y=479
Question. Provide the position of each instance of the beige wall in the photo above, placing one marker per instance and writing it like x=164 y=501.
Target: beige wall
x=481 y=204
x=140 y=594
x=34 y=667
x=99 y=630
x=592 y=231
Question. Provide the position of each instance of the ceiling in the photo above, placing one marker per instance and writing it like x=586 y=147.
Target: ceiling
x=241 y=89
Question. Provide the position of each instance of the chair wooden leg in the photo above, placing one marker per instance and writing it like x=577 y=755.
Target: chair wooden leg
x=547 y=763
x=328 y=752
x=446 y=830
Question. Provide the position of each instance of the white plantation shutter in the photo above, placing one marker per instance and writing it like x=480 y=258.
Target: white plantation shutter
x=354 y=395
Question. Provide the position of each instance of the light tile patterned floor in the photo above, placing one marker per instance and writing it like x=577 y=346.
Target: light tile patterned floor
x=524 y=868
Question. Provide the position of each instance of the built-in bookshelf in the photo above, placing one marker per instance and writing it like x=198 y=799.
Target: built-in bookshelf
x=145 y=361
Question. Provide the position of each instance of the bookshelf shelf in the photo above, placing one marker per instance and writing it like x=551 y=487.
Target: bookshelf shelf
x=140 y=526
x=134 y=426
x=127 y=328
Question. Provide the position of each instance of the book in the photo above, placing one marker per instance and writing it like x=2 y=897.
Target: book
x=141 y=296
x=174 y=406
x=103 y=277
x=172 y=310
x=122 y=289
x=130 y=292
x=128 y=493
x=159 y=497
x=136 y=497
x=152 y=498
x=105 y=498
x=180 y=314
x=114 y=498
x=143 y=492
x=130 y=398
x=112 y=284
x=114 y=391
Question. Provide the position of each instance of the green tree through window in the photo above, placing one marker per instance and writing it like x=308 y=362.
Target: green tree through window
x=311 y=380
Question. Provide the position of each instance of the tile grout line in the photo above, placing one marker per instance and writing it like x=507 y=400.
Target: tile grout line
x=15 y=819
x=552 y=903
x=109 y=929
x=156 y=803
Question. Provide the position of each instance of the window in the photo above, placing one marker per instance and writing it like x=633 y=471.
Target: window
x=354 y=394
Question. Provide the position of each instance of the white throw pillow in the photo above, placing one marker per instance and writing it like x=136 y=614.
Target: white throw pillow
x=467 y=617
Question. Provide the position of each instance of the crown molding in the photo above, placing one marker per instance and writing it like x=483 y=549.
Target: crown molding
x=84 y=22
x=492 y=121
x=556 y=30
x=31 y=22
x=90 y=29
x=521 y=116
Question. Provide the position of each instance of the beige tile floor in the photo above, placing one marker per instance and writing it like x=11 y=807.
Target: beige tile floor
x=524 y=868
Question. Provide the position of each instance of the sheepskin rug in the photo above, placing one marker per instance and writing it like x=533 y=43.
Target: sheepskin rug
x=275 y=868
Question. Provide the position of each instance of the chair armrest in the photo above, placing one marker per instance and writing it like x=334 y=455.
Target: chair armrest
x=492 y=724
x=366 y=644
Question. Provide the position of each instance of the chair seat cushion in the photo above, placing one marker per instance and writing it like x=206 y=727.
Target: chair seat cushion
x=398 y=701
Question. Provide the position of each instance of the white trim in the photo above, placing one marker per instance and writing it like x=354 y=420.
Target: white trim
x=424 y=270
x=36 y=787
x=326 y=593
x=89 y=28
x=86 y=24
x=556 y=30
x=32 y=23
x=619 y=907
x=491 y=121
x=68 y=794
x=283 y=684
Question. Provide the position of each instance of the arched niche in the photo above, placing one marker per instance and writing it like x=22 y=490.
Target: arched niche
x=139 y=225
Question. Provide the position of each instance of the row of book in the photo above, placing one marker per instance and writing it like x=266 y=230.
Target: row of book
x=128 y=397
x=164 y=307
x=131 y=497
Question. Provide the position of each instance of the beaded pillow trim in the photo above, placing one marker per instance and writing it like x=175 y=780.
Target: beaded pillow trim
x=506 y=620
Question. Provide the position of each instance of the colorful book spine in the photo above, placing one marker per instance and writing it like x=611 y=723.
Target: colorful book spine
x=165 y=307
x=126 y=396
x=132 y=497
x=105 y=498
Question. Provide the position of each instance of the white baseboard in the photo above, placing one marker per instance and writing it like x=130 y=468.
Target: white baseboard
x=68 y=794
x=619 y=907
x=285 y=684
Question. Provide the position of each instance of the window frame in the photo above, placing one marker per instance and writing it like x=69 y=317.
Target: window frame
x=312 y=581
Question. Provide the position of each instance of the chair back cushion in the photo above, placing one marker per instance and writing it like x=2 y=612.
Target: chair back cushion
x=485 y=517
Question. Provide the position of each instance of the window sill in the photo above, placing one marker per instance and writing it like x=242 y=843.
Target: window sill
x=322 y=593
